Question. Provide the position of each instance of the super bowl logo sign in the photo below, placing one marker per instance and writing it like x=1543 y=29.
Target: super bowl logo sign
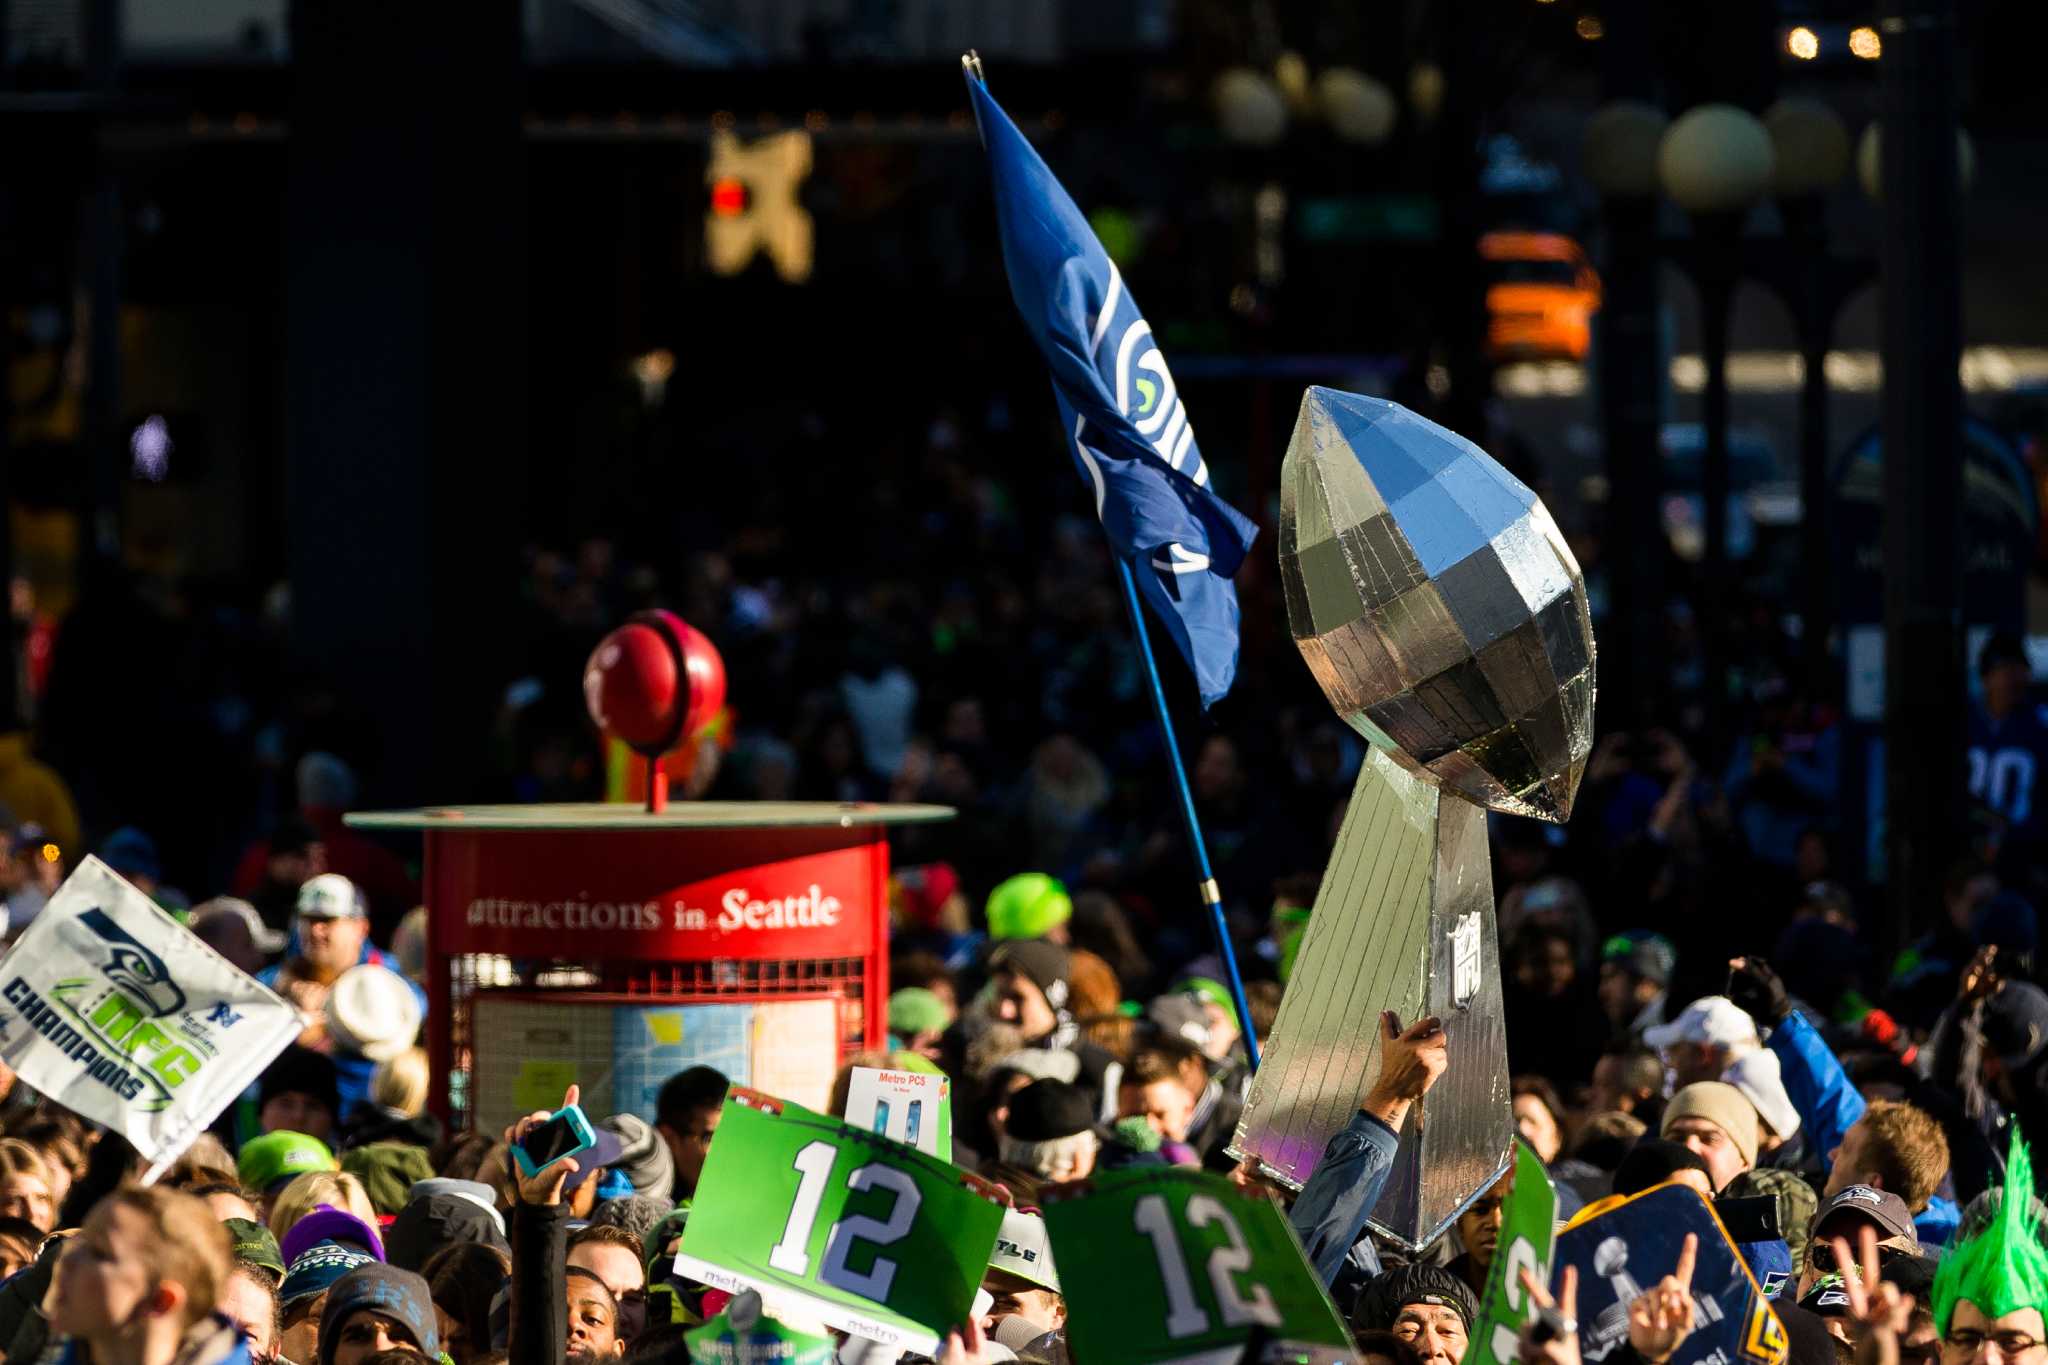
x=125 y=1024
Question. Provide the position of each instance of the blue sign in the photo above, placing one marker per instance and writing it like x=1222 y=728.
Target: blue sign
x=1630 y=1247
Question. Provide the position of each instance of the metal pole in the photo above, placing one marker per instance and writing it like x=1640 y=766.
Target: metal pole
x=1813 y=306
x=1716 y=281
x=1212 y=897
x=1922 y=411
x=1631 y=403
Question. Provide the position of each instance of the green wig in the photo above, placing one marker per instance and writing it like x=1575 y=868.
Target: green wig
x=2002 y=1267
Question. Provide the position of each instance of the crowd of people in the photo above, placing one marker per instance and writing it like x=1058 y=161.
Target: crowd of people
x=328 y=1218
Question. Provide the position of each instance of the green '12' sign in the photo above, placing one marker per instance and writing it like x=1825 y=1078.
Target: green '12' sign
x=1527 y=1241
x=1174 y=1265
x=866 y=1234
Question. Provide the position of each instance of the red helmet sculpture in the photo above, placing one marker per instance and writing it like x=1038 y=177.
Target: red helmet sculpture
x=654 y=681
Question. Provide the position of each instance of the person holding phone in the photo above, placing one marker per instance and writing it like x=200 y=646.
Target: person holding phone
x=544 y=1148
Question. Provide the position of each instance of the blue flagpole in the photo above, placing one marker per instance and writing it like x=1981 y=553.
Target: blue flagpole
x=1212 y=897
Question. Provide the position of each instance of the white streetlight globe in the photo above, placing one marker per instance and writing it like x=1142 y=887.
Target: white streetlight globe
x=1620 y=148
x=1870 y=162
x=1811 y=143
x=1358 y=107
x=1715 y=158
x=1250 y=108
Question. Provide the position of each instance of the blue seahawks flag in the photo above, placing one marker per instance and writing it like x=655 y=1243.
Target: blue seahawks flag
x=1125 y=423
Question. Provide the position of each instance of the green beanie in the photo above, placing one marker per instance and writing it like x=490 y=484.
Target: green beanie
x=914 y=1010
x=1028 y=905
x=388 y=1171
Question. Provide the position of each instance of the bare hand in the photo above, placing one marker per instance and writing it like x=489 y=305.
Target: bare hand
x=1981 y=978
x=544 y=1187
x=1564 y=1348
x=1878 y=1313
x=966 y=1346
x=1661 y=1317
x=1411 y=1061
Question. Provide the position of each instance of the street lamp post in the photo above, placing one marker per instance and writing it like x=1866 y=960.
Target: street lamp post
x=1715 y=161
x=1812 y=148
x=1620 y=156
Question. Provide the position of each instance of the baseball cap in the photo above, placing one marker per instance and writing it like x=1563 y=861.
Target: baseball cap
x=1711 y=1019
x=1022 y=1250
x=252 y=1243
x=2015 y=1022
x=1758 y=1076
x=1180 y=1016
x=331 y=896
x=605 y=1151
x=1881 y=1207
x=1648 y=955
x=269 y=1161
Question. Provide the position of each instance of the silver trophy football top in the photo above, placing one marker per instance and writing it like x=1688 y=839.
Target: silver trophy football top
x=1437 y=604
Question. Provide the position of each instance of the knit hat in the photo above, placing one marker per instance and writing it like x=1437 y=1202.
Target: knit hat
x=388 y=1171
x=253 y=1244
x=1210 y=989
x=643 y=1157
x=1044 y=1111
x=1723 y=1106
x=914 y=1010
x=1756 y=1074
x=1028 y=905
x=1044 y=965
x=432 y=1221
x=302 y=1071
x=327 y=1223
x=1387 y=1293
x=638 y=1214
x=922 y=892
x=271 y=1160
x=318 y=1267
x=396 y=1294
x=1651 y=1162
x=373 y=1012
x=131 y=853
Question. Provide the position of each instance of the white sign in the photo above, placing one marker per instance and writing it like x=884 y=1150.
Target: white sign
x=114 y=1010
x=909 y=1106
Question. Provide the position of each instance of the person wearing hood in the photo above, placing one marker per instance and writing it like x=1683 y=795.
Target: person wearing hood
x=140 y=1283
x=1030 y=989
x=443 y=1213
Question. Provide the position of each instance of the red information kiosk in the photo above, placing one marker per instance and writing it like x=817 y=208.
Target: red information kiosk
x=614 y=947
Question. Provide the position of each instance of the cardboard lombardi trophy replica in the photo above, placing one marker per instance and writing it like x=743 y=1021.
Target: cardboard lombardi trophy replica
x=1437 y=604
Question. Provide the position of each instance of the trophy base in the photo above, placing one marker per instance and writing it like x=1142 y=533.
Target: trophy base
x=1403 y=921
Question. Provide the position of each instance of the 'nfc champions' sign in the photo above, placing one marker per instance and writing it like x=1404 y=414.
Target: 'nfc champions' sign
x=111 y=1008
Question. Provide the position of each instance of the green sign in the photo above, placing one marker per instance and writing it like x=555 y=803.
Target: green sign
x=862 y=1233
x=1528 y=1241
x=742 y=1335
x=1175 y=1265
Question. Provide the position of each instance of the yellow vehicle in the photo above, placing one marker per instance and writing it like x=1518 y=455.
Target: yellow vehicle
x=1541 y=295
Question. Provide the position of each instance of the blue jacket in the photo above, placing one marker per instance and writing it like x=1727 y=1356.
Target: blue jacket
x=1329 y=1215
x=1828 y=1104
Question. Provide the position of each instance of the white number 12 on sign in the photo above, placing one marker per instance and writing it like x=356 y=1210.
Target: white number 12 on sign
x=814 y=1167
x=1184 y=1316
